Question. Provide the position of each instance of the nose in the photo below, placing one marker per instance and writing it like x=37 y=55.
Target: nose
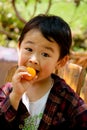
x=33 y=59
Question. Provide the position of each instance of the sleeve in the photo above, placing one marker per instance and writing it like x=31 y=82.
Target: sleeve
x=81 y=116
x=5 y=107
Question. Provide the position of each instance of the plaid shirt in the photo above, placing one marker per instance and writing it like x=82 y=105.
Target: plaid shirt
x=64 y=109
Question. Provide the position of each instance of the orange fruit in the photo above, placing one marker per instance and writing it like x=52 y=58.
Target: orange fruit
x=30 y=71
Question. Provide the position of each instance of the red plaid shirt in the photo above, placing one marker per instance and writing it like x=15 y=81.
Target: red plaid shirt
x=64 y=109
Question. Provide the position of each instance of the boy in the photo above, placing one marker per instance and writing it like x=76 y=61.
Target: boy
x=45 y=102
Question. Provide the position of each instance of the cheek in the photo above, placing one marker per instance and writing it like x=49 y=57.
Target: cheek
x=49 y=67
x=45 y=67
x=21 y=60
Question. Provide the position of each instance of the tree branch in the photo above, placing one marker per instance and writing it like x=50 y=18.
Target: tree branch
x=17 y=13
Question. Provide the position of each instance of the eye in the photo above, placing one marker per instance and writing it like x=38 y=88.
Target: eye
x=29 y=49
x=45 y=54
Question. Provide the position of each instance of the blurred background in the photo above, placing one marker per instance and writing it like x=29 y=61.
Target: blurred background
x=15 y=13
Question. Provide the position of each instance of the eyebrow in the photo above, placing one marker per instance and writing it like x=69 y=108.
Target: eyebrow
x=48 y=48
x=29 y=42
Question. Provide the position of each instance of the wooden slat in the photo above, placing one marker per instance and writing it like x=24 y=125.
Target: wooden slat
x=83 y=92
x=10 y=73
x=5 y=66
x=81 y=80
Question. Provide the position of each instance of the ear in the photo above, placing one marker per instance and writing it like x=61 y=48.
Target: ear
x=18 y=47
x=62 y=62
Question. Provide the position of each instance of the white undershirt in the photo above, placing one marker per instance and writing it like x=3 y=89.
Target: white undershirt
x=35 y=108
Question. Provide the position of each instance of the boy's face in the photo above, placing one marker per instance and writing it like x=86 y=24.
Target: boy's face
x=39 y=53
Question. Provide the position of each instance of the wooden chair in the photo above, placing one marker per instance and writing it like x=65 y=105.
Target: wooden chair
x=73 y=74
x=76 y=77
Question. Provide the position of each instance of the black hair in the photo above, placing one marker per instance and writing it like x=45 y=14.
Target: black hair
x=51 y=27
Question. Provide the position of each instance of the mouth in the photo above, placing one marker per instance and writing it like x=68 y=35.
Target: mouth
x=37 y=72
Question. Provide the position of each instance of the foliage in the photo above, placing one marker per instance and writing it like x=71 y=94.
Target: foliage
x=14 y=14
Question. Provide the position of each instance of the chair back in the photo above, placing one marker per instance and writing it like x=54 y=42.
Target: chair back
x=74 y=75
